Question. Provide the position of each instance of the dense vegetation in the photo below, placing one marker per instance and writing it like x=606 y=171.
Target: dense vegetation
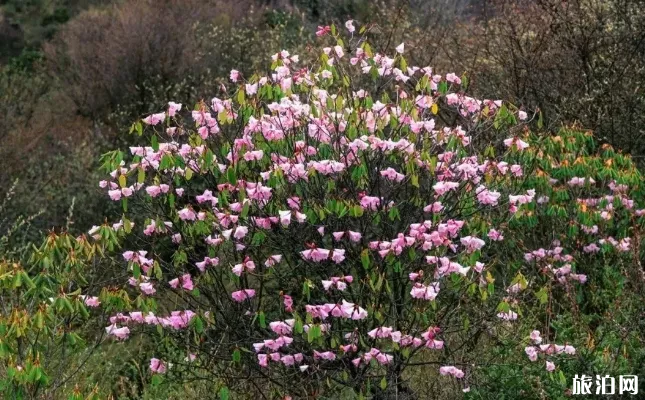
x=340 y=220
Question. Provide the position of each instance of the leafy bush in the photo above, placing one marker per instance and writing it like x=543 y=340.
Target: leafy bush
x=44 y=316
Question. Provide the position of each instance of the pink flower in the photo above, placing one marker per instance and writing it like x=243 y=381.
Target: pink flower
x=485 y=196
x=263 y=360
x=242 y=295
x=516 y=142
x=187 y=214
x=516 y=288
x=154 y=119
x=92 y=301
x=285 y=217
x=479 y=267
x=392 y=175
x=246 y=265
x=434 y=208
x=187 y=282
x=173 y=108
x=157 y=366
x=316 y=254
x=338 y=255
x=522 y=115
x=400 y=48
x=281 y=328
x=531 y=352
x=235 y=75
x=251 y=89
x=115 y=194
x=443 y=187
x=119 y=333
x=285 y=84
x=323 y=30
x=535 y=337
x=240 y=232
x=354 y=236
x=350 y=26
x=453 y=78
x=350 y=310
x=495 y=235
x=201 y=265
x=451 y=370
x=273 y=260
x=327 y=355
x=507 y=316
x=294 y=203
x=147 y=288
x=153 y=190
x=254 y=155
x=371 y=203
x=288 y=303
x=472 y=243
x=550 y=366
x=420 y=291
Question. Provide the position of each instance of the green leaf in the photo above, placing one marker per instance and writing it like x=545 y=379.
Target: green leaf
x=298 y=327
x=415 y=180
x=157 y=380
x=563 y=379
x=199 y=325
x=136 y=270
x=231 y=176
x=223 y=393
x=236 y=355
x=141 y=175
x=258 y=238
x=365 y=259
x=542 y=296
x=127 y=225
x=17 y=280
x=245 y=210
x=503 y=307
x=28 y=281
x=443 y=87
x=154 y=142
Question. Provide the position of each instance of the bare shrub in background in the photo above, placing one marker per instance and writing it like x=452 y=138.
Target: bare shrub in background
x=578 y=60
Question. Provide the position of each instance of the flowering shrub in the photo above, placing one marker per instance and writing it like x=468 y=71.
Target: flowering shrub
x=331 y=228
